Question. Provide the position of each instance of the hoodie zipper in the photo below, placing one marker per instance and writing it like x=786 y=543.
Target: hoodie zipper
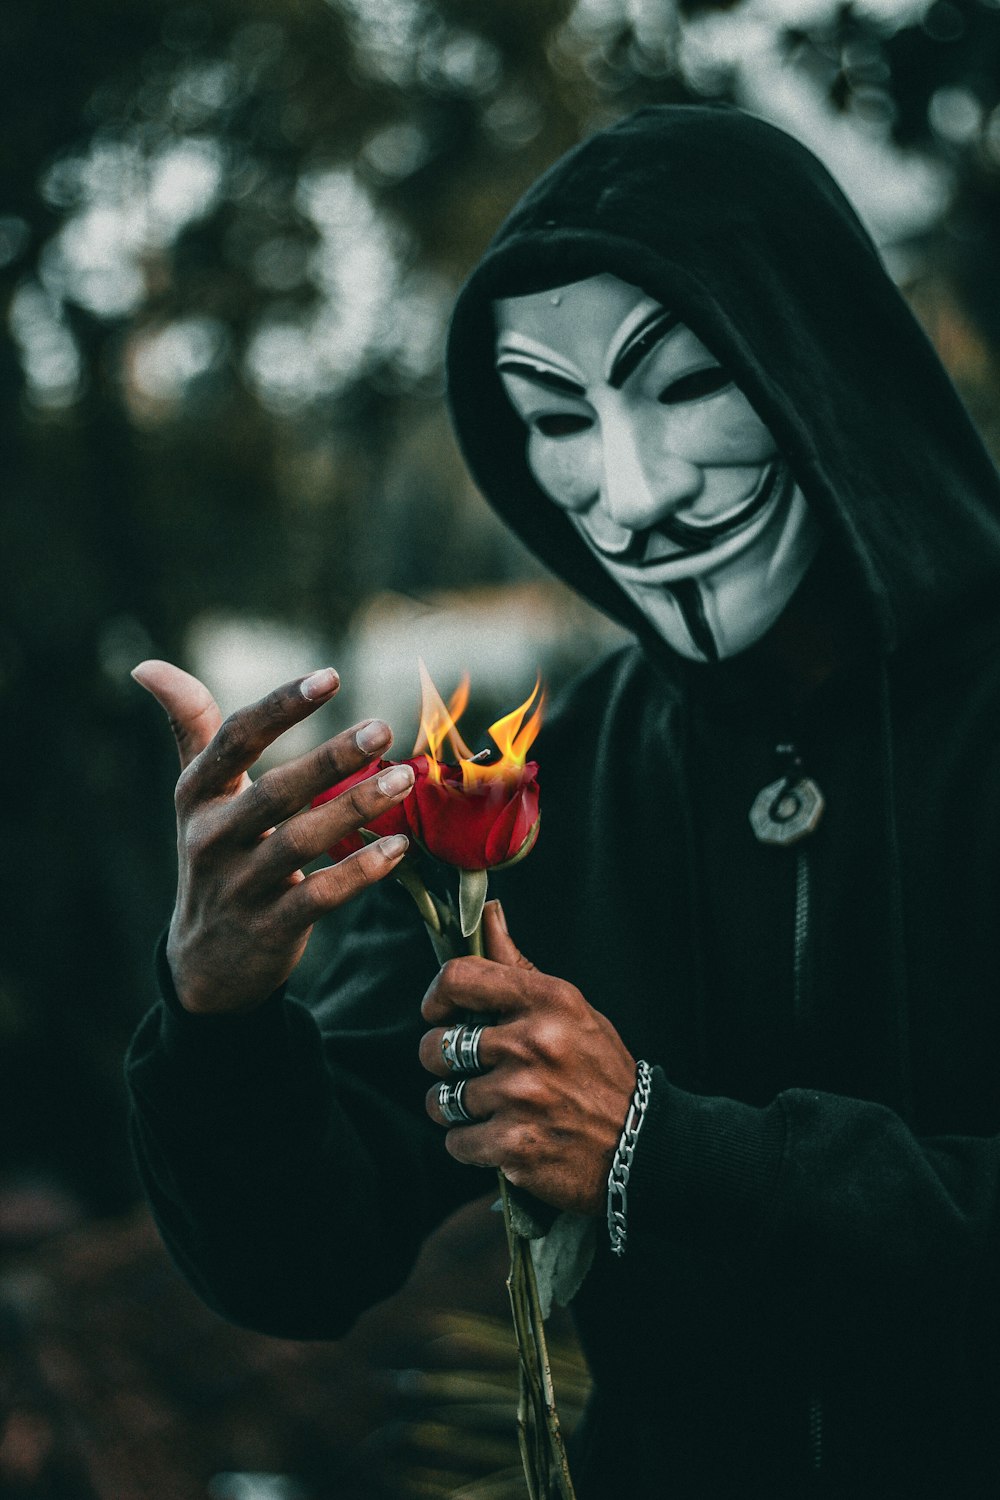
x=801 y=937
x=800 y=989
x=816 y=1432
x=786 y=812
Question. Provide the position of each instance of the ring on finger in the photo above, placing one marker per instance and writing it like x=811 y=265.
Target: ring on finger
x=460 y=1049
x=451 y=1104
x=468 y=1049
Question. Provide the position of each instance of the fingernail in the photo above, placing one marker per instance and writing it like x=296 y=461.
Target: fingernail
x=395 y=845
x=396 y=779
x=320 y=684
x=500 y=917
x=373 y=736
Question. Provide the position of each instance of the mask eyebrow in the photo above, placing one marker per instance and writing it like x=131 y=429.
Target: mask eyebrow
x=639 y=343
x=528 y=370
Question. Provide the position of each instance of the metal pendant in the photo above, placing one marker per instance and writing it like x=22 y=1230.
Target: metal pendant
x=787 y=811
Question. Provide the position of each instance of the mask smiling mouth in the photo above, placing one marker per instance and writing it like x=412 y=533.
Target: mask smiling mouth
x=689 y=538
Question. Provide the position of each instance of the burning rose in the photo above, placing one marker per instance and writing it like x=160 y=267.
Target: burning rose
x=471 y=815
x=477 y=814
x=478 y=827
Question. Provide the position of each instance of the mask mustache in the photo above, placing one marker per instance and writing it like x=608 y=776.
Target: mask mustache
x=692 y=539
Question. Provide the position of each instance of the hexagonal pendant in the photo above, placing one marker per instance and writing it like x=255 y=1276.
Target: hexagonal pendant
x=783 y=813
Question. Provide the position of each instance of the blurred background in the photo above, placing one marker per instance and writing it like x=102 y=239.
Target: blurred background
x=230 y=234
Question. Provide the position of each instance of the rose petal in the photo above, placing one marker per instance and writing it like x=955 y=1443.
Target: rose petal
x=474 y=828
x=393 y=820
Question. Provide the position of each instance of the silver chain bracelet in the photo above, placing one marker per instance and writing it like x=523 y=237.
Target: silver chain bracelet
x=621 y=1166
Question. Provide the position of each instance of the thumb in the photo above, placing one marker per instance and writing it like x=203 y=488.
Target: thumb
x=193 y=713
x=497 y=941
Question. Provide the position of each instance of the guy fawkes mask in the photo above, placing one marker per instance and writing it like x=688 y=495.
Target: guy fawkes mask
x=660 y=461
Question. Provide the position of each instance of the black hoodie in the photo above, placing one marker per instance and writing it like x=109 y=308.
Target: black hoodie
x=809 y=1299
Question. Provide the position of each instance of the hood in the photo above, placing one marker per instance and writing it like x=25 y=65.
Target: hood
x=740 y=230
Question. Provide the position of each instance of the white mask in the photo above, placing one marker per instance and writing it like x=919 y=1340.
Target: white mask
x=664 y=467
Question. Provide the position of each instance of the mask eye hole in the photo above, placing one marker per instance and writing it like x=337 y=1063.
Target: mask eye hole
x=561 y=424
x=694 y=387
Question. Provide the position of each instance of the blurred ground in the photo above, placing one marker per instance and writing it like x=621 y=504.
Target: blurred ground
x=116 y=1383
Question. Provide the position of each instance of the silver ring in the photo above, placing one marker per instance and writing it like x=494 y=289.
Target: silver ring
x=460 y=1048
x=450 y=1103
x=468 y=1049
x=448 y=1049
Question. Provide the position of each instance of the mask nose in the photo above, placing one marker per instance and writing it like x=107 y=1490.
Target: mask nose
x=642 y=481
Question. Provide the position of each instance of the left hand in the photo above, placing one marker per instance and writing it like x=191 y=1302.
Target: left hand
x=551 y=1107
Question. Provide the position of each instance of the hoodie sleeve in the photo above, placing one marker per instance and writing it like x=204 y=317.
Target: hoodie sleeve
x=286 y=1153
x=824 y=1190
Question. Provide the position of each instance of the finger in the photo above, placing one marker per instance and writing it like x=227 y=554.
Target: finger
x=476 y=1145
x=490 y=1051
x=287 y=789
x=478 y=984
x=193 y=713
x=500 y=946
x=326 y=889
x=479 y=1098
x=299 y=840
x=242 y=738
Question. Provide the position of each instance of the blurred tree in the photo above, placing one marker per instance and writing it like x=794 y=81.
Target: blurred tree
x=229 y=234
x=931 y=75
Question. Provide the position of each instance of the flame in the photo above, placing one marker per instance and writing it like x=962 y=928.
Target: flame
x=438 y=723
x=513 y=734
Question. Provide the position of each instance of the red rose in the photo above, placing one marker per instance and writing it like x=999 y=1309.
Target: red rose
x=490 y=823
x=479 y=827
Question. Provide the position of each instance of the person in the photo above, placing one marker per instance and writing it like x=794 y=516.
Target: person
x=767 y=876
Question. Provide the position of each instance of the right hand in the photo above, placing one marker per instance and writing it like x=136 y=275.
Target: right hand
x=245 y=907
